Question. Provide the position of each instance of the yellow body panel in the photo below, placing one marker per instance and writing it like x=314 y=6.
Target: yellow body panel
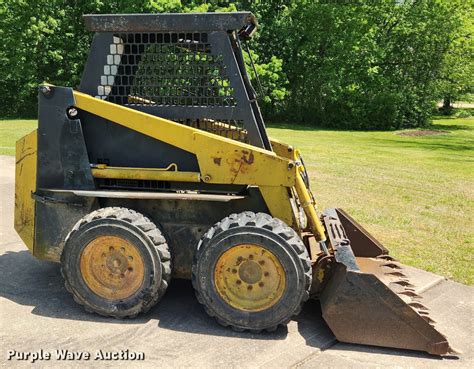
x=278 y=203
x=25 y=185
x=149 y=174
x=282 y=149
x=231 y=162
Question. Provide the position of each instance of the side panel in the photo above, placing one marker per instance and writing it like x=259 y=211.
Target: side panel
x=114 y=145
x=63 y=163
x=221 y=160
x=184 y=222
x=25 y=185
x=56 y=215
x=62 y=155
x=279 y=203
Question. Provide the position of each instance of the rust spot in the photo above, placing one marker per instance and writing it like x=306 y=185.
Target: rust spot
x=247 y=160
x=241 y=161
x=217 y=161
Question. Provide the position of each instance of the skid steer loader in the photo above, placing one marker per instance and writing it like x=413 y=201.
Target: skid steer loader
x=159 y=166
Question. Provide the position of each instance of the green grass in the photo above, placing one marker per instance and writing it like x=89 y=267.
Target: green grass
x=414 y=193
x=12 y=130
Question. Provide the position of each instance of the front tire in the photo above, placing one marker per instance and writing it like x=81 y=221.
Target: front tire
x=116 y=263
x=251 y=272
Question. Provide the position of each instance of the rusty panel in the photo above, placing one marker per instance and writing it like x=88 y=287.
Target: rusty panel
x=360 y=309
x=362 y=242
x=224 y=161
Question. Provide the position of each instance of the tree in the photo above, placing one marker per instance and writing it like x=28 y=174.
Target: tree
x=456 y=79
x=357 y=64
x=45 y=40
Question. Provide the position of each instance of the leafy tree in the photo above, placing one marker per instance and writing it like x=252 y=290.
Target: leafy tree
x=456 y=80
x=45 y=40
x=357 y=64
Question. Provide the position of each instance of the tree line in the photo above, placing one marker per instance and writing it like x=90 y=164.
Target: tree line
x=348 y=64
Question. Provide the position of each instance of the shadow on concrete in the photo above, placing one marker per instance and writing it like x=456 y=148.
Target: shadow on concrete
x=27 y=281
x=180 y=311
x=313 y=328
x=39 y=284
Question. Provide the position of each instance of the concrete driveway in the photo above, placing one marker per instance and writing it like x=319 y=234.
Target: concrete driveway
x=38 y=314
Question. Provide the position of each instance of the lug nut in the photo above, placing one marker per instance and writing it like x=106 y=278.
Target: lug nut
x=249 y=287
x=261 y=284
x=234 y=271
x=266 y=274
x=238 y=281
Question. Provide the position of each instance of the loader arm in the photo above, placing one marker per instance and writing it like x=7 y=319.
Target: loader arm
x=221 y=160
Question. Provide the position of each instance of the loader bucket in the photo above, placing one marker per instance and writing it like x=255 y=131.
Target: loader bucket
x=368 y=300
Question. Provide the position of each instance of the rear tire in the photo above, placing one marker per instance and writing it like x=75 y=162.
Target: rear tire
x=251 y=272
x=116 y=262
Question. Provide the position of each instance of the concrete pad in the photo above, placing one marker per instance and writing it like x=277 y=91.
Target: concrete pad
x=36 y=312
x=451 y=305
x=421 y=279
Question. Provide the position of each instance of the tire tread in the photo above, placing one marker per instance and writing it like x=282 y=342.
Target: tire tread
x=258 y=220
x=150 y=230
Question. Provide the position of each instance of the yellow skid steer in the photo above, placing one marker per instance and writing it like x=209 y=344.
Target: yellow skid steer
x=159 y=166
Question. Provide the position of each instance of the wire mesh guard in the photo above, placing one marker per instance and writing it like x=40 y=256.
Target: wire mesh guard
x=169 y=69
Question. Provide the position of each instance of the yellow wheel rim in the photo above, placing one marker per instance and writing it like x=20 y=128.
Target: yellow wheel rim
x=249 y=277
x=112 y=267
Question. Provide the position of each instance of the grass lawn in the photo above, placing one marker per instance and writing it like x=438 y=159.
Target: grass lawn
x=414 y=193
x=12 y=130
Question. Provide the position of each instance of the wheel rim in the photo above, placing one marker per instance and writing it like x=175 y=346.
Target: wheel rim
x=112 y=267
x=249 y=277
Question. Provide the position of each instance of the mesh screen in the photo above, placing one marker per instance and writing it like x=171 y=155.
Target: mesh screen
x=164 y=69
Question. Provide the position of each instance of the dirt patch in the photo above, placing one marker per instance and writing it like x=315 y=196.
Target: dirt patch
x=423 y=132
